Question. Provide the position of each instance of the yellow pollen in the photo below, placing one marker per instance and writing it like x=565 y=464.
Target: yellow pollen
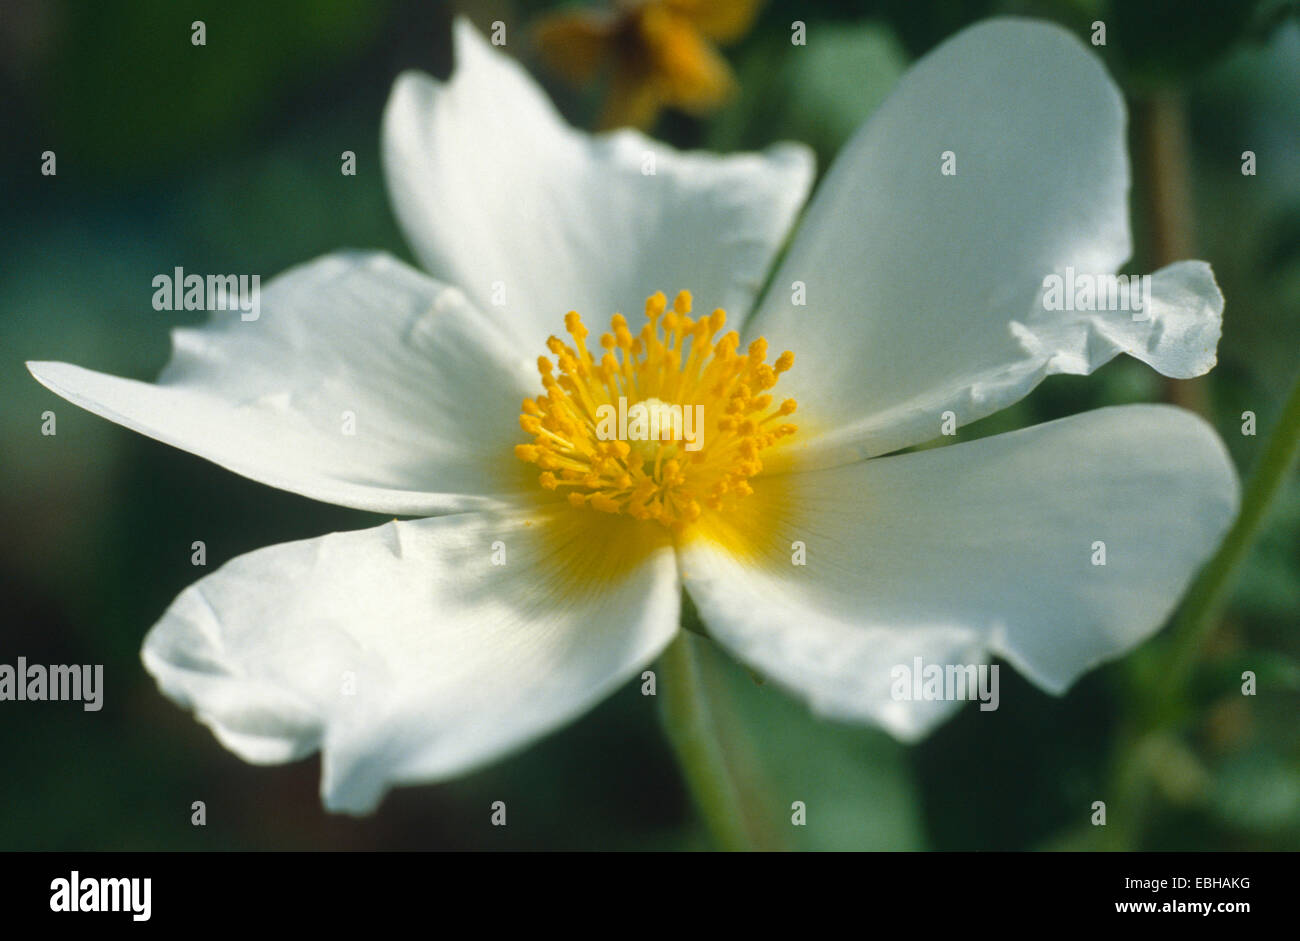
x=661 y=425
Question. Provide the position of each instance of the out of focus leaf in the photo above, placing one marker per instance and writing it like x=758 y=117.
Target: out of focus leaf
x=818 y=94
x=1258 y=791
x=854 y=783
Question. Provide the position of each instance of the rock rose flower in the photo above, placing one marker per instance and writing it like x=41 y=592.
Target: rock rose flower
x=544 y=563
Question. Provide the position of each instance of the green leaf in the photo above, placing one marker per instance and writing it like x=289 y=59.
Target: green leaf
x=771 y=754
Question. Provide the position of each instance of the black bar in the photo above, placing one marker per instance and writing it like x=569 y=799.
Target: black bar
x=304 y=889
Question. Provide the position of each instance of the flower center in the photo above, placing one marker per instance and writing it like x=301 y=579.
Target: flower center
x=664 y=425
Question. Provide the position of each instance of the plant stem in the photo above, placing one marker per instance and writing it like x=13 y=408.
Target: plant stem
x=1205 y=600
x=692 y=729
x=1164 y=162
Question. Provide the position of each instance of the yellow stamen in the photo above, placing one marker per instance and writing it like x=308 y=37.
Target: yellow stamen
x=674 y=367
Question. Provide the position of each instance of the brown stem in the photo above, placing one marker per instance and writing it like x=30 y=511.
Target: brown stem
x=1160 y=123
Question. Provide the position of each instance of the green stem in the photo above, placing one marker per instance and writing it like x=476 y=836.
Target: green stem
x=692 y=729
x=1203 y=603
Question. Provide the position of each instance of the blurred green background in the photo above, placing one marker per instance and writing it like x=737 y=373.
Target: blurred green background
x=226 y=158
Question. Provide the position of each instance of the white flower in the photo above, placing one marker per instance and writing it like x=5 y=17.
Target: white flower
x=407 y=653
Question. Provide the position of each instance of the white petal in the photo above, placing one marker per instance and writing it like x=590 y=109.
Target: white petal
x=433 y=388
x=499 y=196
x=924 y=290
x=949 y=553
x=453 y=660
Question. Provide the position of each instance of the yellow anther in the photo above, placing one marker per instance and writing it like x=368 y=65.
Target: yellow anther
x=719 y=418
x=573 y=324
